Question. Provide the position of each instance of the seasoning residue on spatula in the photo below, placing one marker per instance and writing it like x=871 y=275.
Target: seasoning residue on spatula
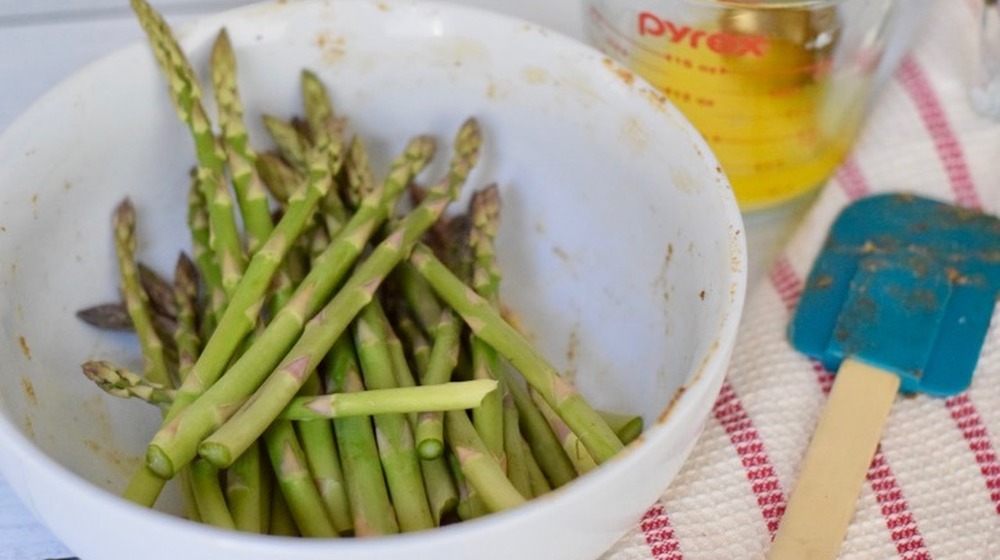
x=899 y=299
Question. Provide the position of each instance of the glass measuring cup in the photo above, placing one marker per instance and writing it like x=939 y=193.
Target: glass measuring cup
x=778 y=88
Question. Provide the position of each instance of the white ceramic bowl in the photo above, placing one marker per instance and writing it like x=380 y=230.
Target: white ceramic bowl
x=621 y=243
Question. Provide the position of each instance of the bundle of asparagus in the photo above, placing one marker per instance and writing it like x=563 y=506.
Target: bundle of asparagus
x=327 y=365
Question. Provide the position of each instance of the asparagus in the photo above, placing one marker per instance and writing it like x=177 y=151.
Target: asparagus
x=121 y=382
x=186 y=95
x=273 y=395
x=250 y=193
x=114 y=317
x=185 y=298
x=481 y=470
x=289 y=142
x=159 y=291
x=442 y=495
x=392 y=431
x=301 y=495
x=136 y=301
x=247 y=491
x=212 y=507
x=514 y=448
x=320 y=448
x=578 y=454
x=628 y=426
x=366 y=487
x=176 y=443
x=486 y=323
x=456 y=395
x=280 y=520
x=278 y=177
x=201 y=252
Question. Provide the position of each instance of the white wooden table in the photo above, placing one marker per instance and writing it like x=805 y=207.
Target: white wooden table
x=44 y=41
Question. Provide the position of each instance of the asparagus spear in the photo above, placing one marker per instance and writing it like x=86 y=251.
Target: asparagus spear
x=250 y=193
x=320 y=448
x=273 y=395
x=395 y=440
x=578 y=454
x=186 y=95
x=366 y=487
x=442 y=495
x=295 y=481
x=247 y=491
x=482 y=471
x=487 y=324
x=484 y=217
x=136 y=301
x=457 y=395
x=201 y=252
x=121 y=382
x=176 y=443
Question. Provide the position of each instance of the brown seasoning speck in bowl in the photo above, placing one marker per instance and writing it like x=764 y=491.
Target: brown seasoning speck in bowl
x=25 y=349
x=29 y=391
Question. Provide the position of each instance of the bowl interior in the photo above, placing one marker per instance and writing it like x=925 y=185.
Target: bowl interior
x=620 y=243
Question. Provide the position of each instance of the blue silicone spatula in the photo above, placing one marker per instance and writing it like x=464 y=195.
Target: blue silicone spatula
x=898 y=300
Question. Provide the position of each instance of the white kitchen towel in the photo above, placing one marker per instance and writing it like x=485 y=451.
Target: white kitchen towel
x=933 y=489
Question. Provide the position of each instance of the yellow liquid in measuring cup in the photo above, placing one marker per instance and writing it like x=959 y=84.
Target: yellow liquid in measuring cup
x=767 y=106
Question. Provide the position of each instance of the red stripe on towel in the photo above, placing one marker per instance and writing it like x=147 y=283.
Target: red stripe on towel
x=974 y=430
x=916 y=84
x=729 y=411
x=852 y=180
x=786 y=282
x=659 y=534
x=898 y=517
x=895 y=509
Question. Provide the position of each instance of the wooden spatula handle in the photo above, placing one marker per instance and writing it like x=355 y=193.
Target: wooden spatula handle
x=836 y=462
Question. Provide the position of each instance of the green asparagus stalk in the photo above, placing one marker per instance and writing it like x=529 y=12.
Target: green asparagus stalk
x=481 y=470
x=280 y=520
x=250 y=193
x=359 y=173
x=539 y=483
x=295 y=480
x=247 y=490
x=392 y=431
x=176 y=443
x=442 y=495
x=137 y=303
x=201 y=252
x=457 y=395
x=366 y=487
x=578 y=454
x=186 y=95
x=628 y=426
x=442 y=356
x=121 y=382
x=484 y=220
x=159 y=291
x=247 y=423
x=289 y=142
x=514 y=449
x=185 y=298
x=487 y=324
x=212 y=507
x=279 y=177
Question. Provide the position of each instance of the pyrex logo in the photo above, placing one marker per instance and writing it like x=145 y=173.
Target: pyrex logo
x=732 y=44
